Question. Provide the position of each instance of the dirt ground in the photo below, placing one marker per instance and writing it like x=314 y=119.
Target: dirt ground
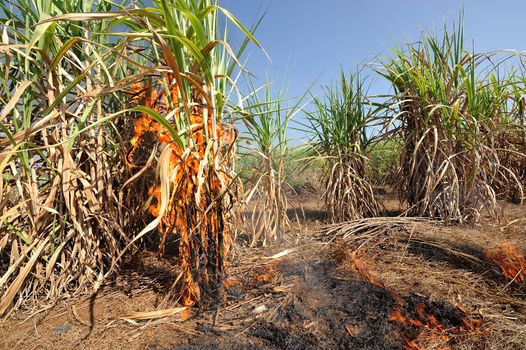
x=423 y=287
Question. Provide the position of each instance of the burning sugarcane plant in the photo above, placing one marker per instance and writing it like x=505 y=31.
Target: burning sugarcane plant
x=194 y=187
x=191 y=197
x=339 y=136
x=449 y=106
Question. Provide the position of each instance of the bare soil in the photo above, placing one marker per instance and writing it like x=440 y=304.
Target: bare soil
x=316 y=295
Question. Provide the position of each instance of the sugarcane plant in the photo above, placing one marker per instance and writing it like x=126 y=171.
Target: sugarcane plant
x=510 y=142
x=267 y=115
x=339 y=130
x=448 y=106
x=61 y=229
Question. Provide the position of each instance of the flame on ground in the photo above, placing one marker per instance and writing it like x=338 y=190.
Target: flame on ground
x=510 y=261
x=266 y=274
x=430 y=328
x=232 y=282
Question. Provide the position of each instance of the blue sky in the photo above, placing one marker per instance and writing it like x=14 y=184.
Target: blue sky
x=307 y=39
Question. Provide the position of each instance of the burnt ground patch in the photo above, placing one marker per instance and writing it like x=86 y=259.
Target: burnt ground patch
x=331 y=311
x=327 y=308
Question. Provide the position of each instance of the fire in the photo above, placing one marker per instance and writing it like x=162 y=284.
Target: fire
x=232 y=282
x=266 y=274
x=435 y=322
x=511 y=262
x=360 y=266
x=195 y=183
x=411 y=345
x=432 y=328
x=186 y=313
x=427 y=321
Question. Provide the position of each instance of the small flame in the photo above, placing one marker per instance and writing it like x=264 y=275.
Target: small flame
x=360 y=266
x=397 y=316
x=427 y=321
x=232 y=282
x=266 y=274
x=511 y=262
x=435 y=330
x=411 y=345
x=186 y=314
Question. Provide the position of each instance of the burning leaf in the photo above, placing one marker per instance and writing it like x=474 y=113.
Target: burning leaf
x=510 y=261
x=266 y=274
x=232 y=282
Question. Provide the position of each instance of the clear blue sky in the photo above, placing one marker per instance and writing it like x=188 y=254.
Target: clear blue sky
x=313 y=38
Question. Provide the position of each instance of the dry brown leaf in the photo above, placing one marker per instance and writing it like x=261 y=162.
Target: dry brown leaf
x=280 y=254
x=3 y=242
x=282 y=289
x=14 y=99
x=150 y=315
x=14 y=288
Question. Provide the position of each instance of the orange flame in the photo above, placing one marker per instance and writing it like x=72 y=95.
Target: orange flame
x=428 y=321
x=511 y=262
x=232 y=282
x=435 y=330
x=411 y=345
x=361 y=267
x=265 y=275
